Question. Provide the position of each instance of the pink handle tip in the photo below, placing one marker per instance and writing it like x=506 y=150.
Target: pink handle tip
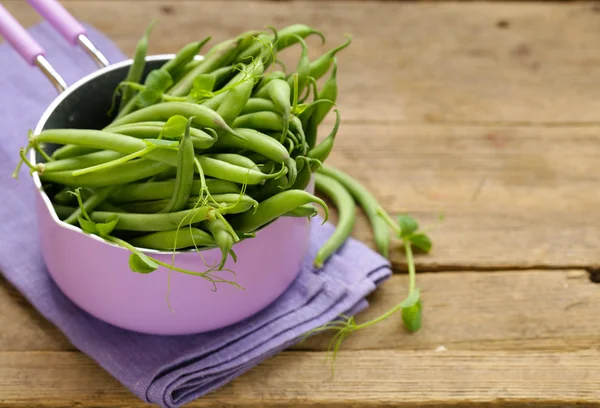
x=60 y=19
x=18 y=37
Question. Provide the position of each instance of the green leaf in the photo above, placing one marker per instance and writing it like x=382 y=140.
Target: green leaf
x=408 y=225
x=158 y=80
x=149 y=97
x=161 y=142
x=300 y=108
x=202 y=87
x=174 y=128
x=105 y=228
x=138 y=262
x=421 y=241
x=411 y=316
x=87 y=226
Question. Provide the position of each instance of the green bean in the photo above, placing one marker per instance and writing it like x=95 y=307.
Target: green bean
x=264 y=81
x=185 y=55
x=221 y=235
x=346 y=209
x=136 y=69
x=174 y=239
x=237 y=174
x=307 y=210
x=220 y=55
x=259 y=120
x=254 y=141
x=154 y=222
x=296 y=126
x=185 y=173
x=236 y=98
x=214 y=102
x=257 y=105
x=83 y=161
x=152 y=130
x=68 y=151
x=63 y=211
x=321 y=65
x=328 y=92
x=108 y=206
x=302 y=69
x=322 y=150
x=274 y=207
x=303 y=178
x=157 y=190
x=287 y=36
x=203 y=116
x=125 y=173
x=368 y=202
x=235 y=159
x=227 y=203
x=270 y=188
x=97 y=198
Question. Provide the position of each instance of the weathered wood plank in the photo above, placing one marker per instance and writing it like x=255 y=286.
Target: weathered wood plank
x=421 y=62
x=515 y=311
x=303 y=379
x=512 y=197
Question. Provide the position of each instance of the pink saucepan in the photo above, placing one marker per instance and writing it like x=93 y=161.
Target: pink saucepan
x=94 y=273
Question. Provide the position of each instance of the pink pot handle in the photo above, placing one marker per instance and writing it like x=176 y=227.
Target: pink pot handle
x=60 y=19
x=18 y=37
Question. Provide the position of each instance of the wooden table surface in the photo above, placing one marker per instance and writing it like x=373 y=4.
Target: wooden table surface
x=487 y=112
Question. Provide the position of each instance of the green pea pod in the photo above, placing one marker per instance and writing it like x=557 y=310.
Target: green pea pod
x=274 y=207
x=321 y=65
x=174 y=239
x=346 y=209
x=136 y=69
x=381 y=231
x=185 y=173
x=158 y=190
x=254 y=141
x=322 y=150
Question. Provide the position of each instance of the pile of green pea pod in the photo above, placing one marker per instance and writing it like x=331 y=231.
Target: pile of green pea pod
x=203 y=153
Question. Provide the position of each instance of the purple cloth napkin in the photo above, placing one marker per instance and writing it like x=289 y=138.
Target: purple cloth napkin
x=166 y=370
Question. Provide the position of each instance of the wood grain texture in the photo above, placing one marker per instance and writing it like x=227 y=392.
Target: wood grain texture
x=487 y=112
x=303 y=379
x=494 y=311
x=421 y=62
